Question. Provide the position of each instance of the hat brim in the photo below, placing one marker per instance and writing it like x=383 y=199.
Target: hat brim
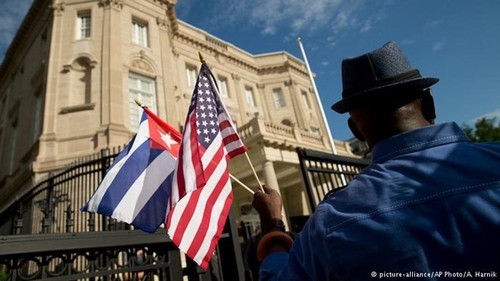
x=352 y=102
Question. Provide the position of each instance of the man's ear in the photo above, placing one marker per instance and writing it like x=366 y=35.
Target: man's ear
x=354 y=129
x=428 y=109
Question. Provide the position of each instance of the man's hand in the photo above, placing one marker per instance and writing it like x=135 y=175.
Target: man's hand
x=268 y=204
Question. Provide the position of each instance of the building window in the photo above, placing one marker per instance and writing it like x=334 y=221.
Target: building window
x=2 y=121
x=191 y=76
x=143 y=89
x=249 y=97
x=305 y=98
x=83 y=25
x=279 y=99
x=140 y=32
x=39 y=103
x=3 y=111
x=12 y=149
x=222 y=83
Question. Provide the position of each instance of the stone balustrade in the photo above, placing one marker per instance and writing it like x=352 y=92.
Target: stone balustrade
x=281 y=135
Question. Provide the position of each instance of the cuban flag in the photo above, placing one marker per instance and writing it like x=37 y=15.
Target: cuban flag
x=137 y=186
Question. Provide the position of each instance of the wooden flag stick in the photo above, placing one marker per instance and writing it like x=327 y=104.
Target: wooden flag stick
x=201 y=58
x=254 y=173
x=242 y=184
x=139 y=103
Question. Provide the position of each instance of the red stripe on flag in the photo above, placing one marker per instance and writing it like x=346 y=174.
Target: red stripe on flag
x=220 y=227
x=238 y=151
x=196 y=154
x=188 y=212
x=205 y=223
x=224 y=124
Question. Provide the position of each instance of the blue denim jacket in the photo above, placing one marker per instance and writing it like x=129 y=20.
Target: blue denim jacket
x=428 y=208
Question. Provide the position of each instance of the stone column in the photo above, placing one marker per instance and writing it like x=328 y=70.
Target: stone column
x=299 y=113
x=112 y=101
x=264 y=101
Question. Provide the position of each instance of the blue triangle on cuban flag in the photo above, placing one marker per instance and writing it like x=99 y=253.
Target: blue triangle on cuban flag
x=137 y=186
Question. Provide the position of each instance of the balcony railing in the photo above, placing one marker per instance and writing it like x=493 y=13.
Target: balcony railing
x=281 y=135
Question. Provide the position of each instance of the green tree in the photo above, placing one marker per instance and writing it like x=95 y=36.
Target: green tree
x=485 y=129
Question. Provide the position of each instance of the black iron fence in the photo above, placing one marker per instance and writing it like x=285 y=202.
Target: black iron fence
x=46 y=236
x=325 y=173
x=52 y=206
x=43 y=235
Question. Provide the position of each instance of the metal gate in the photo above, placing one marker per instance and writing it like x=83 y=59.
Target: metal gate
x=45 y=236
x=324 y=173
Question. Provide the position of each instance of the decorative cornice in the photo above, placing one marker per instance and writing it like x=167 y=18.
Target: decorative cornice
x=76 y=108
x=115 y=4
x=175 y=52
x=58 y=8
x=79 y=64
x=222 y=52
x=162 y=23
x=142 y=65
x=235 y=76
x=209 y=48
x=172 y=16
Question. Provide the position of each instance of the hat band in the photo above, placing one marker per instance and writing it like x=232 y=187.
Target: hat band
x=386 y=81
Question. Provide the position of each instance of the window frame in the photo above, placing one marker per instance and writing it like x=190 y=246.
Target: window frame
x=191 y=76
x=223 y=86
x=140 y=32
x=13 y=147
x=250 y=97
x=39 y=112
x=146 y=97
x=83 y=30
x=305 y=99
x=279 y=98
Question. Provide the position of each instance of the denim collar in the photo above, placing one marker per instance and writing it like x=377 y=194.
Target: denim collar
x=417 y=139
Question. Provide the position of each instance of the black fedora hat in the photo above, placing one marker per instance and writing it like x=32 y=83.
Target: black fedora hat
x=378 y=75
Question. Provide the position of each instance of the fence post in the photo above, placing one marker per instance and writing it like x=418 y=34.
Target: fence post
x=19 y=223
x=307 y=180
x=91 y=222
x=195 y=273
x=47 y=211
x=104 y=163
x=69 y=220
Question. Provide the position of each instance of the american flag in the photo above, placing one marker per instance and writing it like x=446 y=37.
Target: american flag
x=201 y=190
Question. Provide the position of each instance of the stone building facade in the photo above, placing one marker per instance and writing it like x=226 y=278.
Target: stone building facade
x=70 y=77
